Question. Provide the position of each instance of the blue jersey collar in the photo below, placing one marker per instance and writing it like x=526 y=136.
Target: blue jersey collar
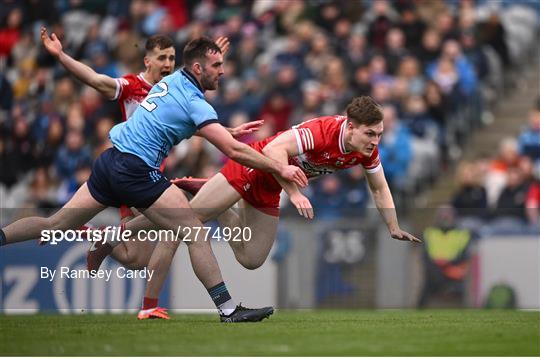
x=191 y=78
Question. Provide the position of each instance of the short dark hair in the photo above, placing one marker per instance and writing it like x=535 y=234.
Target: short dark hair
x=158 y=41
x=198 y=48
x=364 y=110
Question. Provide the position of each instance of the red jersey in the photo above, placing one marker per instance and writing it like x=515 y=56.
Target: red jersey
x=131 y=90
x=321 y=147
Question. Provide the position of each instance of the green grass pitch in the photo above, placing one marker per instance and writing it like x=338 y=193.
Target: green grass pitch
x=286 y=333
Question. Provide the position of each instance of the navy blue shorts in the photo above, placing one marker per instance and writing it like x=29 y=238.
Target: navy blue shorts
x=121 y=178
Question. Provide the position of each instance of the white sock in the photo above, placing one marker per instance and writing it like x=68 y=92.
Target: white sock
x=227 y=308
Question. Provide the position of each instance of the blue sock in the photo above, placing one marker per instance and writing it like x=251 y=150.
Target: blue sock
x=222 y=299
x=2 y=238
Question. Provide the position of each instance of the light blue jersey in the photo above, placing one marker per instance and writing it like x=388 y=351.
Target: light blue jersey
x=174 y=110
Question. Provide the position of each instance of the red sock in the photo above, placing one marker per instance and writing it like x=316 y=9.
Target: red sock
x=149 y=303
x=125 y=212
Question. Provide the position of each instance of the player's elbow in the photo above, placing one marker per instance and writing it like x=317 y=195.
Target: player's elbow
x=272 y=152
x=267 y=151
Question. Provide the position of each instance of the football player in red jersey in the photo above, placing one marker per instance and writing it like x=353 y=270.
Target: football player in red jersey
x=318 y=146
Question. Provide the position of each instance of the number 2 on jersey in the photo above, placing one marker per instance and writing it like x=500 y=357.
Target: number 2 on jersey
x=150 y=106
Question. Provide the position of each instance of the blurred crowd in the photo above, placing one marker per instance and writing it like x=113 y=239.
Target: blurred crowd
x=504 y=189
x=436 y=66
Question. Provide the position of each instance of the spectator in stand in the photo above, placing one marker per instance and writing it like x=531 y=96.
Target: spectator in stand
x=496 y=178
x=8 y=164
x=395 y=50
x=474 y=54
x=532 y=200
x=430 y=48
x=361 y=82
x=328 y=200
x=529 y=139
x=48 y=149
x=10 y=31
x=417 y=118
x=395 y=149
x=21 y=146
x=357 y=52
x=353 y=181
x=311 y=106
x=102 y=127
x=231 y=101
x=319 y=54
x=470 y=200
x=381 y=17
x=378 y=69
x=436 y=103
x=412 y=26
x=336 y=87
x=511 y=201
x=409 y=71
x=247 y=52
x=445 y=25
x=72 y=155
x=453 y=66
x=41 y=193
x=6 y=98
x=277 y=111
x=287 y=82
x=446 y=77
x=493 y=33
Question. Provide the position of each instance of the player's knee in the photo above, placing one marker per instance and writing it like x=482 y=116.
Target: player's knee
x=135 y=262
x=252 y=263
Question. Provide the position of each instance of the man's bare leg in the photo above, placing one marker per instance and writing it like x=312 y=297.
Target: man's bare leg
x=81 y=208
x=202 y=258
x=215 y=197
x=168 y=212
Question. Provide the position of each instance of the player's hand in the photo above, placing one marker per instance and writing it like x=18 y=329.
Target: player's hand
x=402 y=235
x=223 y=44
x=302 y=204
x=52 y=44
x=294 y=174
x=246 y=128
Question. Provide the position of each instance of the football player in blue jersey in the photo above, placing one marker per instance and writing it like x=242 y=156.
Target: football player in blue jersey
x=128 y=173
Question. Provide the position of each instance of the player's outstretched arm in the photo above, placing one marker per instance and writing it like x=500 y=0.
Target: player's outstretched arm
x=385 y=203
x=102 y=83
x=245 y=155
x=280 y=149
